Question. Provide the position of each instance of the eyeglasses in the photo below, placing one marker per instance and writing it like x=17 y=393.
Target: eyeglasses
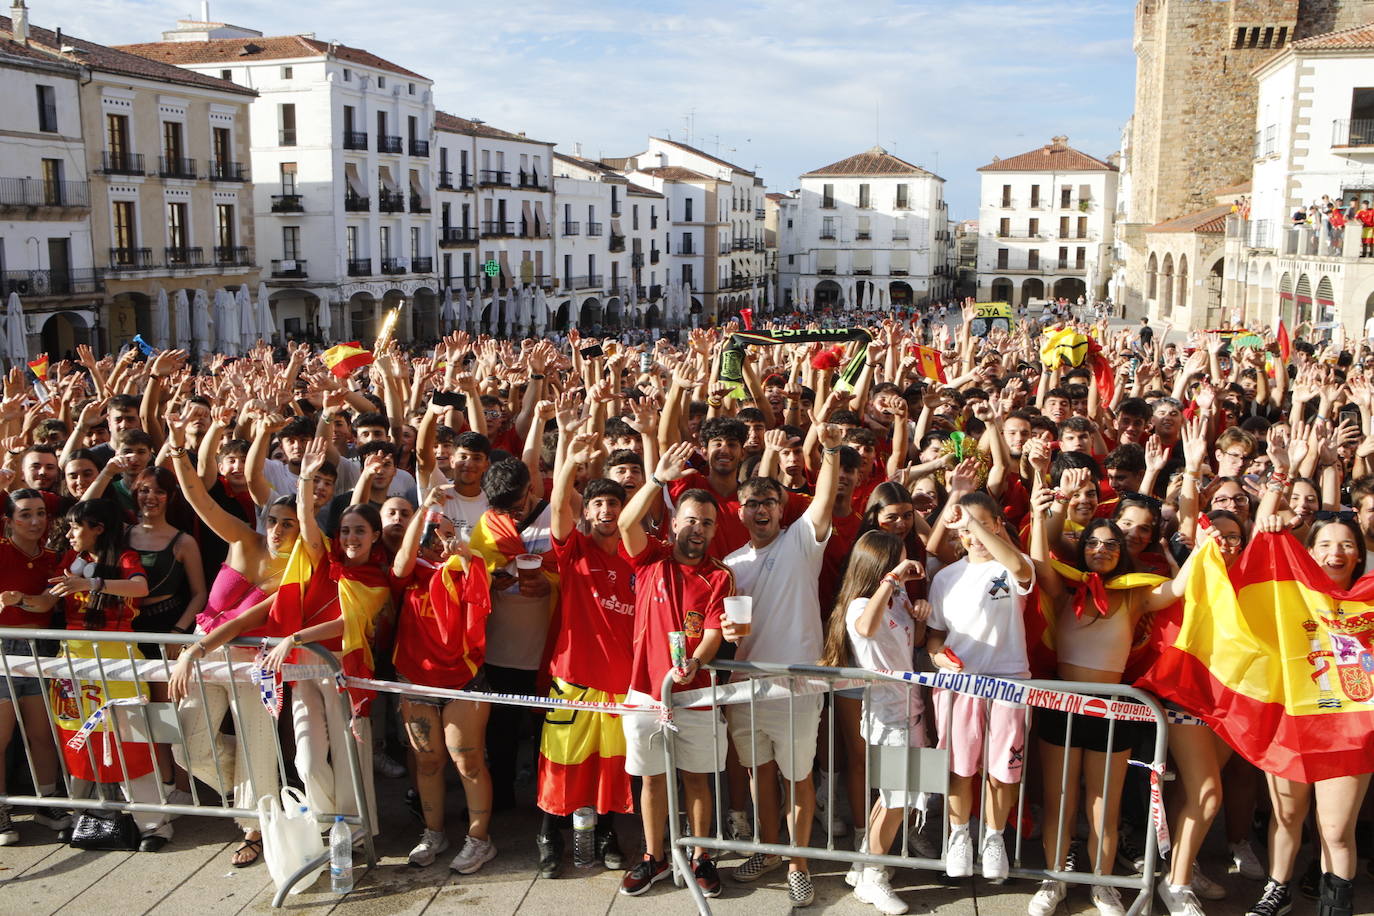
x=1100 y=544
x=1326 y=515
x=1232 y=540
x=1237 y=456
x=1240 y=499
x=753 y=505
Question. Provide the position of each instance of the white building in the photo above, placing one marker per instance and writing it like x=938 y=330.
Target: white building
x=1314 y=137
x=593 y=251
x=496 y=208
x=1046 y=221
x=869 y=231
x=45 y=206
x=343 y=199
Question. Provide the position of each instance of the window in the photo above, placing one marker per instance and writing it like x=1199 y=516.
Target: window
x=125 y=236
x=412 y=128
x=410 y=88
x=381 y=82
x=117 y=135
x=1033 y=228
x=687 y=212
x=224 y=225
x=903 y=196
x=1063 y=227
x=52 y=182
x=288 y=178
x=1004 y=227
x=1033 y=259
x=384 y=246
x=415 y=242
x=286 y=120
x=1065 y=196
x=286 y=73
x=828 y=227
x=828 y=196
x=1035 y=195
x=1082 y=227
x=1002 y=258
x=351 y=242
x=381 y=125
x=171 y=145
x=687 y=275
x=227 y=75
x=1080 y=258
x=864 y=191
x=291 y=242
x=634 y=218
x=348 y=75
x=687 y=243
x=176 y=228
x=1361 y=116
x=1006 y=195
x=1085 y=193
x=1063 y=256
x=47 y=109
x=222 y=139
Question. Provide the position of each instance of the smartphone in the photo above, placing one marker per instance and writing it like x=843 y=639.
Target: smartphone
x=455 y=399
x=591 y=352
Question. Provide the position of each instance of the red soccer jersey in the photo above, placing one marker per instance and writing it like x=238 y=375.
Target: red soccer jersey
x=114 y=613
x=672 y=596
x=28 y=575
x=595 y=629
x=844 y=532
x=730 y=534
x=440 y=647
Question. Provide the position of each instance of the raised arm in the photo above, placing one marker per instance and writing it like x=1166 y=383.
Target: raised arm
x=819 y=513
x=305 y=498
x=671 y=466
x=583 y=450
x=226 y=526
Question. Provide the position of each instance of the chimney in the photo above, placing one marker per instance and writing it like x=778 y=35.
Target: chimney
x=1059 y=143
x=19 y=17
x=204 y=10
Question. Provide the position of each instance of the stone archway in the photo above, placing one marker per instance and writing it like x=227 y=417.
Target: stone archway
x=1001 y=290
x=1031 y=288
x=424 y=315
x=61 y=334
x=1152 y=277
x=589 y=313
x=1069 y=288
x=612 y=316
x=828 y=295
x=560 y=317
x=296 y=315
x=363 y=313
x=900 y=294
x=125 y=312
x=1181 y=296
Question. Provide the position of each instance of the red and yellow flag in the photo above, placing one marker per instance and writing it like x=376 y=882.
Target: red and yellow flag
x=930 y=363
x=40 y=367
x=1276 y=660
x=343 y=358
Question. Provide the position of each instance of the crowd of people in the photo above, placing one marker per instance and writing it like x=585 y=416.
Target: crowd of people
x=1330 y=217
x=568 y=519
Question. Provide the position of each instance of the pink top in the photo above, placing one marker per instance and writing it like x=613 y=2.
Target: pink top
x=230 y=595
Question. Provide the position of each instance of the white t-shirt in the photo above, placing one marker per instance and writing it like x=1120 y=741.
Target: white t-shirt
x=782 y=579
x=464 y=510
x=979 y=606
x=351 y=469
x=519 y=624
x=1369 y=329
x=894 y=707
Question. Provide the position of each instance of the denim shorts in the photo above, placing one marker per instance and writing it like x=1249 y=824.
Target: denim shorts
x=23 y=686
x=478 y=684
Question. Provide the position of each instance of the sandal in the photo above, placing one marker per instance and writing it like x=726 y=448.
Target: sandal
x=247 y=846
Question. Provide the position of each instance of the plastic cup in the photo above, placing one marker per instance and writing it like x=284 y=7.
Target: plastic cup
x=739 y=610
x=527 y=567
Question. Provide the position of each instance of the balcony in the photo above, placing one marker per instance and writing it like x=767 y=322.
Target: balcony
x=1069 y=267
x=759 y=213
x=233 y=256
x=355 y=140
x=825 y=271
x=121 y=163
x=176 y=167
x=493 y=177
x=529 y=180
x=827 y=233
x=288 y=203
x=122 y=259
x=453 y=236
x=181 y=257
x=391 y=202
x=827 y=203
x=356 y=203
x=445 y=181
x=421 y=265
x=617 y=242
x=465 y=181
x=759 y=246
x=39 y=283
x=1019 y=234
x=498 y=228
x=748 y=244
x=227 y=170
x=572 y=228
x=419 y=148
x=900 y=235
x=653 y=256
x=593 y=229
x=35 y=192
x=389 y=144
x=286 y=136
x=289 y=269
x=1006 y=204
x=898 y=271
x=393 y=266
x=591 y=281
x=688 y=250
x=418 y=204
x=1352 y=134
x=360 y=267
x=636 y=259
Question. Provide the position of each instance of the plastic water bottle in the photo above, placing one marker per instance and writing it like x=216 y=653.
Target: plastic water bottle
x=584 y=837
x=340 y=857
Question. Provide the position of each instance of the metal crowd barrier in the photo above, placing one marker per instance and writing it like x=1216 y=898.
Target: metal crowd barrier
x=914 y=769
x=114 y=667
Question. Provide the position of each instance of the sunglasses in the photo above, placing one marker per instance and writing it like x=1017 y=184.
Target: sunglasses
x=1096 y=543
x=1327 y=515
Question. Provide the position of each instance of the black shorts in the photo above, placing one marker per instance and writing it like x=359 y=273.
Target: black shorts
x=1089 y=732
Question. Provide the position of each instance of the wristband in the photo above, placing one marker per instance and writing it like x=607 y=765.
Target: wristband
x=304 y=477
x=97 y=584
x=176 y=451
x=656 y=482
x=537 y=378
x=831 y=451
x=891 y=579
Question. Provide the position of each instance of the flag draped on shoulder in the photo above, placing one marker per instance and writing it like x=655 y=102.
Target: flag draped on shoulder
x=461 y=599
x=1276 y=660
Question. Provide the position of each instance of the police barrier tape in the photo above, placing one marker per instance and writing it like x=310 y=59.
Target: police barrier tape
x=987 y=687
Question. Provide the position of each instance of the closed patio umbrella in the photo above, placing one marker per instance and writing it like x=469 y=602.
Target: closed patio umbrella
x=181 y=312
x=161 y=332
x=16 y=338
x=248 y=321
x=202 y=326
x=324 y=319
x=266 y=326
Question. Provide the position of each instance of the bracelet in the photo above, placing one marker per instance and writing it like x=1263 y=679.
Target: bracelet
x=537 y=378
x=656 y=482
x=176 y=451
x=711 y=401
x=892 y=580
x=831 y=451
x=1060 y=496
x=306 y=477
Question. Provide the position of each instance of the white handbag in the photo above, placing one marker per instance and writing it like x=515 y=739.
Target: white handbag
x=290 y=838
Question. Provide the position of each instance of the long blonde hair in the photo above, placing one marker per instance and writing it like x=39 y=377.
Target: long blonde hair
x=876 y=553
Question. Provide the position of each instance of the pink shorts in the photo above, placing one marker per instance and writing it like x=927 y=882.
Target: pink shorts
x=1005 y=735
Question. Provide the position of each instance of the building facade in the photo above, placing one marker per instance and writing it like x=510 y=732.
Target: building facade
x=1045 y=225
x=869 y=232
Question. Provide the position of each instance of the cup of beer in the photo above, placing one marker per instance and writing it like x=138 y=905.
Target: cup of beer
x=527 y=569
x=739 y=610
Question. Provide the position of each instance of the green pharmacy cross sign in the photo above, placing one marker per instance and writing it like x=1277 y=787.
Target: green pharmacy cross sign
x=491 y=268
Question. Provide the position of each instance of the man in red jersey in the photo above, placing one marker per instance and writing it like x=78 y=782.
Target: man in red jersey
x=679 y=587
x=582 y=753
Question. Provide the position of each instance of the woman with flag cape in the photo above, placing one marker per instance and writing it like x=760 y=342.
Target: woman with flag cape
x=332 y=594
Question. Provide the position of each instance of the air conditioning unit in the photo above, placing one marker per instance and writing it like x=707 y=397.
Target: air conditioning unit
x=17 y=286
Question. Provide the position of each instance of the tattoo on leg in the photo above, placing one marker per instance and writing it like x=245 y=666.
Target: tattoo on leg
x=420 y=729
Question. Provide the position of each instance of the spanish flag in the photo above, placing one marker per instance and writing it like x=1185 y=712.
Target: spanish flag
x=343 y=358
x=929 y=363
x=1276 y=660
x=40 y=367
x=1285 y=344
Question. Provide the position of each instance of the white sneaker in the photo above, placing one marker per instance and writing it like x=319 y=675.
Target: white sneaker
x=1180 y=900
x=179 y=797
x=475 y=853
x=8 y=835
x=388 y=767
x=737 y=826
x=875 y=889
x=959 y=856
x=995 y=865
x=1205 y=887
x=856 y=871
x=432 y=842
x=1048 y=898
x=1247 y=864
x=1108 y=901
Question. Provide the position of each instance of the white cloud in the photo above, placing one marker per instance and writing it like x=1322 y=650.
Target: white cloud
x=786 y=85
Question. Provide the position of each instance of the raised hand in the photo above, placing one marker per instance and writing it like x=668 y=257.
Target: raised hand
x=673 y=465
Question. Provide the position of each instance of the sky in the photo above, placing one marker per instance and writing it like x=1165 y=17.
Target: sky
x=779 y=87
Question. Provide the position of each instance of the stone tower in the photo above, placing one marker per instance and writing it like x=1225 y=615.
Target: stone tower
x=1192 y=130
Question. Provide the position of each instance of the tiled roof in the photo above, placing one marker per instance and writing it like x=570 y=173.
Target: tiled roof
x=1055 y=156
x=456 y=125
x=247 y=50
x=641 y=191
x=676 y=173
x=705 y=155
x=1358 y=38
x=775 y=195
x=607 y=173
x=875 y=161
x=1211 y=220
x=43 y=44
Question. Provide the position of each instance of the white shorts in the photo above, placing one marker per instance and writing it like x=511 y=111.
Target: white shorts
x=698 y=744
x=777 y=730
